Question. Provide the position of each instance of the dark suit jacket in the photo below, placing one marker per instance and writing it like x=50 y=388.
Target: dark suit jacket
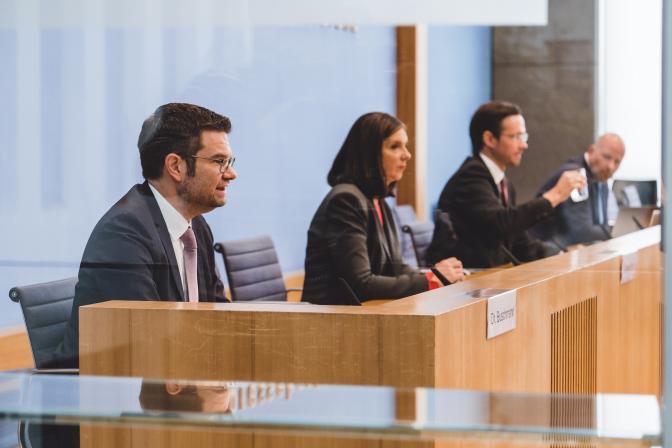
x=574 y=222
x=129 y=256
x=483 y=225
x=349 y=252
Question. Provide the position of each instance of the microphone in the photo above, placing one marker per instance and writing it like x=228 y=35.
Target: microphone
x=352 y=297
x=637 y=223
x=444 y=281
x=512 y=258
x=606 y=232
x=561 y=246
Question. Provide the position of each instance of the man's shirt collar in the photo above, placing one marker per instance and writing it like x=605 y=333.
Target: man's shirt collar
x=585 y=157
x=495 y=170
x=175 y=222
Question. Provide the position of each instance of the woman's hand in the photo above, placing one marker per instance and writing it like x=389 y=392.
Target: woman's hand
x=451 y=268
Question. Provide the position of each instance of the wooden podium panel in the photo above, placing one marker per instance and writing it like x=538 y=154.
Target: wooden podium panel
x=579 y=330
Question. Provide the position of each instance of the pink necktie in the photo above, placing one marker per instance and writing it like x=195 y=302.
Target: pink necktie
x=190 y=257
x=505 y=192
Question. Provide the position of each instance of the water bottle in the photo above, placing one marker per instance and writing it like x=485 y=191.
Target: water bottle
x=580 y=194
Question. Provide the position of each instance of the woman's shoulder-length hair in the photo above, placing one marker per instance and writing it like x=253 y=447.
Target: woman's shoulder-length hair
x=359 y=159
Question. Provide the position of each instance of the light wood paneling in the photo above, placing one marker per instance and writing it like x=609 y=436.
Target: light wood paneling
x=434 y=339
x=574 y=349
x=106 y=341
x=294 y=280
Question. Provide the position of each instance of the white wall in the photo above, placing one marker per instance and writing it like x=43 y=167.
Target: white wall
x=629 y=101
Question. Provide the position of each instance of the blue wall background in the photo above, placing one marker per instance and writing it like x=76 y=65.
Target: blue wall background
x=74 y=100
x=460 y=79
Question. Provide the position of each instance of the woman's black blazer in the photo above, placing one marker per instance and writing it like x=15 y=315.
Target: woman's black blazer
x=351 y=257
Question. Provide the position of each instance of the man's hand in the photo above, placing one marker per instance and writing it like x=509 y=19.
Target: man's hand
x=451 y=268
x=569 y=181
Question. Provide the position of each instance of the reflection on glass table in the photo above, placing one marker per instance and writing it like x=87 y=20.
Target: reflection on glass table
x=352 y=411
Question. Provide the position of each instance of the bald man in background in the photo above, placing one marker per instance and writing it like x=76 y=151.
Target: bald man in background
x=578 y=221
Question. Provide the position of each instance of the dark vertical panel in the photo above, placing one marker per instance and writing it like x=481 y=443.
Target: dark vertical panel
x=550 y=72
x=51 y=117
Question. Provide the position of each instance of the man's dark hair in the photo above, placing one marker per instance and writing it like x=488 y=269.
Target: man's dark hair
x=359 y=161
x=489 y=117
x=175 y=128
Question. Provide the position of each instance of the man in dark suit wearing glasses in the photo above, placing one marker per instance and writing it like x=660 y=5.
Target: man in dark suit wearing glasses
x=489 y=226
x=153 y=244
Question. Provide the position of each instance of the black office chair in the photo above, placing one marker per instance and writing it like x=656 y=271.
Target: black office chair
x=421 y=235
x=46 y=310
x=404 y=214
x=253 y=270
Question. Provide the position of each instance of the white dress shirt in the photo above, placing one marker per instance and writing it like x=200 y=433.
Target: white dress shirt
x=177 y=225
x=495 y=170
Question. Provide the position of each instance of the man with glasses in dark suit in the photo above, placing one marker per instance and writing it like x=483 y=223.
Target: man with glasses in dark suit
x=153 y=244
x=490 y=228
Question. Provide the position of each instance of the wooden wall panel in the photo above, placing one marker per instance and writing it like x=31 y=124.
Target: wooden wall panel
x=435 y=338
x=193 y=345
x=625 y=364
x=104 y=342
x=326 y=348
x=407 y=351
x=406 y=107
x=574 y=349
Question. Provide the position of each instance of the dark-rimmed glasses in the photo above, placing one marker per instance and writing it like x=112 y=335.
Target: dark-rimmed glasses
x=522 y=137
x=224 y=164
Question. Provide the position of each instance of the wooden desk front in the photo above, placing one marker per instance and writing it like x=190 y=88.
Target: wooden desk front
x=578 y=330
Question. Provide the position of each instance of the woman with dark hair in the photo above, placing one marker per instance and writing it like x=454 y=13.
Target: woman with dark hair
x=353 y=253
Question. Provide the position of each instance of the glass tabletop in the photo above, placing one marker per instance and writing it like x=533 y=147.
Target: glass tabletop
x=366 y=410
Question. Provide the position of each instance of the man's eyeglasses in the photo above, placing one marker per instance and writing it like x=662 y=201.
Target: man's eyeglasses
x=224 y=164
x=522 y=137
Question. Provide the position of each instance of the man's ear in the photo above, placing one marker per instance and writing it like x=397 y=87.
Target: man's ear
x=175 y=167
x=489 y=139
x=591 y=148
x=173 y=388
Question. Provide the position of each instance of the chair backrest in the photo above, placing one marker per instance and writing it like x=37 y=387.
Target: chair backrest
x=404 y=214
x=421 y=235
x=46 y=310
x=252 y=269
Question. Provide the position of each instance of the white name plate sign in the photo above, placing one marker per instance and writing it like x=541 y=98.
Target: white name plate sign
x=501 y=313
x=628 y=267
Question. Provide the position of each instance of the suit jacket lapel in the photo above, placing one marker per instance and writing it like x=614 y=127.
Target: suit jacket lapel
x=392 y=239
x=381 y=229
x=508 y=241
x=493 y=185
x=164 y=236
